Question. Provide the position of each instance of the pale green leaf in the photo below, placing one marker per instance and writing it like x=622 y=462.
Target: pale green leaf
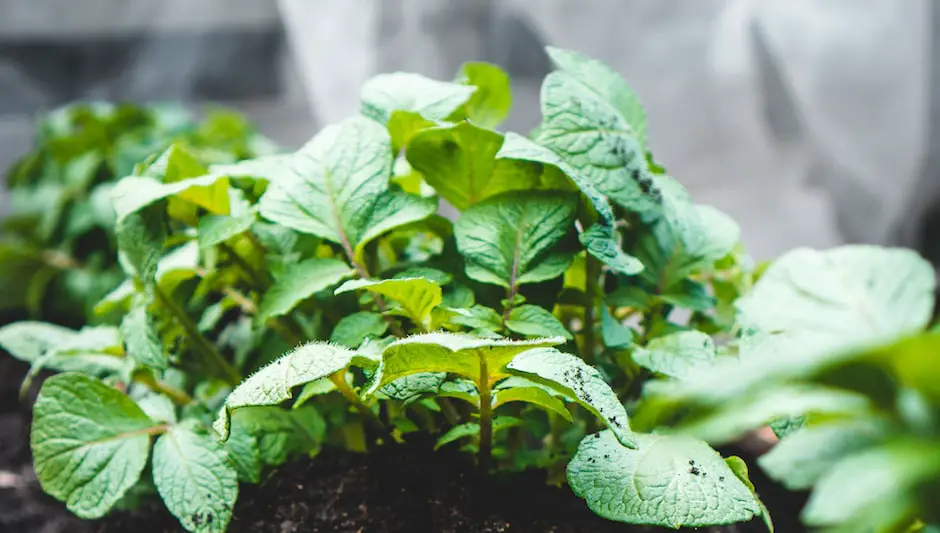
x=300 y=281
x=472 y=429
x=534 y=395
x=607 y=83
x=337 y=188
x=677 y=355
x=598 y=239
x=89 y=443
x=416 y=296
x=668 y=481
x=141 y=340
x=452 y=352
x=785 y=401
x=585 y=128
x=508 y=239
x=802 y=458
x=140 y=239
x=157 y=407
x=478 y=317
x=196 y=480
x=403 y=91
x=352 y=329
x=273 y=384
x=613 y=333
x=535 y=321
x=490 y=104
x=29 y=340
x=739 y=467
x=315 y=388
x=580 y=382
x=861 y=482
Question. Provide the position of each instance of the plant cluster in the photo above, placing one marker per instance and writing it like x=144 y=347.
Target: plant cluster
x=580 y=313
x=58 y=251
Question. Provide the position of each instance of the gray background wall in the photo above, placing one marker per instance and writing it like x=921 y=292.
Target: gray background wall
x=810 y=121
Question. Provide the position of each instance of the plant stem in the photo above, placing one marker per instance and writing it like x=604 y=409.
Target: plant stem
x=179 y=397
x=591 y=289
x=486 y=416
x=510 y=296
x=210 y=354
x=339 y=380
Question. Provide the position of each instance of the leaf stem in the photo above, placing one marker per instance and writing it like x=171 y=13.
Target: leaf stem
x=339 y=380
x=486 y=416
x=210 y=354
x=179 y=397
x=591 y=289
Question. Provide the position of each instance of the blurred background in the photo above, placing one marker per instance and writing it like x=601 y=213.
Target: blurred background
x=812 y=122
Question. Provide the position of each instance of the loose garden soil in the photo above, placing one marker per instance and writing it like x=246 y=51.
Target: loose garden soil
x=393 y=489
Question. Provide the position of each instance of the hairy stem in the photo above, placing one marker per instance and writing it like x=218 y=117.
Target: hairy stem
x=486 y=417
x=177 y=396
x=209 y=352
x=591 y=289
x=339 y=380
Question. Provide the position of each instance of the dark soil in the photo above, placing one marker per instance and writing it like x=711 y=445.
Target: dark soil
x=409 y=489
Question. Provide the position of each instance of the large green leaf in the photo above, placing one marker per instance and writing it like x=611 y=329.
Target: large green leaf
x=599 y=238
x=452 y=352
x=337 y=188
x=668 y=481
x=417 y=296
x=300 y=281
x=850 y=490
x=89 y=443
x=583 y=123
x=459 y=161
x=580 y=382
x=607 y=83
x=274 y=383
x=509 y=239
x=352 y=329
x=489 y=105
x=802 y=458
x=677 y=355
x=196 y=479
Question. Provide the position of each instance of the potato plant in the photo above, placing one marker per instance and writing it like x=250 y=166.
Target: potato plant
x=579 y=313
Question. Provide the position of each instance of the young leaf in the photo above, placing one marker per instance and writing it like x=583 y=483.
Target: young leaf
x=479 y=317
x=274 y=383
x=577 y=380
x=471 y=429
x=452 y=352
x=801 y=459
x=460 y=162
x=598 y=239
x=196 y=479
x=337 y=188
x=739 y=467
x=299 y=282
x=677 y=355
x=582 y=123
x=490 y=104
x=141 y=340
x=534 y=395
x=411 y=387
x=508 y=239
x=613 y=333
x=417 y=296
x=401 y=91
x=215 y=229
x=352 y=329
x=669 y=481
x=535 y=321
x=89 y=443
x=140 y=238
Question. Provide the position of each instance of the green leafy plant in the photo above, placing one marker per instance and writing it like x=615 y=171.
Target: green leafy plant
x=573 y=315
x=58 y=251
x=835 y=356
